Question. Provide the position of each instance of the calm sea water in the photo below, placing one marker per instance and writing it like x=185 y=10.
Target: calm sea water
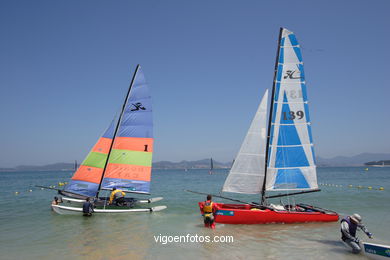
x=30 y=230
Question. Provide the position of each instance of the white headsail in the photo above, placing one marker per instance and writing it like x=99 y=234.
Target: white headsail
x=247 y=173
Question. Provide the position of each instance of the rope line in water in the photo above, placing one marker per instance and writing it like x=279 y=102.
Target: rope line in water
x=351 y=186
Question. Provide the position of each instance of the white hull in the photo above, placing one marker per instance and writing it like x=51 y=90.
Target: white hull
x=373 y=251
x=72 y=200
x=376 y=251
x=66 y=210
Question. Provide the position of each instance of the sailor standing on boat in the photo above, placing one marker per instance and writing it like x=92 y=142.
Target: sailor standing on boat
x=349 y=226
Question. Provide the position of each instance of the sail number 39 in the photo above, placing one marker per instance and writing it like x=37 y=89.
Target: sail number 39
x=293 y=115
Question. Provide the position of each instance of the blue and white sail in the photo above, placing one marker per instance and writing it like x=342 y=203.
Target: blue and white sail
x=291 y=161
x=247 y=173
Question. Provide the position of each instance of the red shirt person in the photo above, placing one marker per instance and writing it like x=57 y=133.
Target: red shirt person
x=208 y=209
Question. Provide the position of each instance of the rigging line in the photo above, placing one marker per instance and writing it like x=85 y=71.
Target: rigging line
x=292 y=145
x=298 y=83
x=306 y=123
x=263 y=199
x=297 y=102
x=291 y=46
x=116 y=128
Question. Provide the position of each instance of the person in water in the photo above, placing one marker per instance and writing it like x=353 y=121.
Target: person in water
x=349 y=226
x=117 y=196
x=87 y=208
x=208 y=209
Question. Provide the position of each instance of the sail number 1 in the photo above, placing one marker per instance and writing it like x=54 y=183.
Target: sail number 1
x=293 y=115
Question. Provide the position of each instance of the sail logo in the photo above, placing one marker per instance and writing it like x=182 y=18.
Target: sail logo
x=290 y=74
x=137 y=106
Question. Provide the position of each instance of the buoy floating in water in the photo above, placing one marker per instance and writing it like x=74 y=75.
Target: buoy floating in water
x=381 y=188
x=16 y=192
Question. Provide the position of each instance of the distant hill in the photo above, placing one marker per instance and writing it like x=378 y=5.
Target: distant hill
x=357 y=160
x=200 y=164
x=48 y=167
x=383 y=162
x=338 y=161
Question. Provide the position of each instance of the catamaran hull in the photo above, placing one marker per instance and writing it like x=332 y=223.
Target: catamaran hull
x=102 y=200
x=245 y=214
x=372 y=251
x=66 y=210
x=376 y=251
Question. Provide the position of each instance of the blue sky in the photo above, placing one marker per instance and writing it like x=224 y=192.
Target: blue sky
x=66 y=65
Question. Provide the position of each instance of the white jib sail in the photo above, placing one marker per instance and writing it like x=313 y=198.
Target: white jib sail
x=247 y=173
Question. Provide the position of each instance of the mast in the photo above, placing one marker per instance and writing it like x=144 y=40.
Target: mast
x=263 y=198
x=116 y=129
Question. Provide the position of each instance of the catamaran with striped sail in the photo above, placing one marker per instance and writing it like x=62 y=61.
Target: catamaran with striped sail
x=280 y=157
x=121 y=158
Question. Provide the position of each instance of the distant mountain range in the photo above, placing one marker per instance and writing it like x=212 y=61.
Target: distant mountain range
x=200 y=164
x=48 y=167
x=339 y=161
x=357 y=160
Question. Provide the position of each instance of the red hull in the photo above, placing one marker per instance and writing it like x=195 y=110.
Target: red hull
x=245 y=214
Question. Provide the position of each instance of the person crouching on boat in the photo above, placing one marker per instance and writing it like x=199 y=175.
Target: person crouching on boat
x=349 y=226
x=117 y=196
x=87 y=208
x=208 y=209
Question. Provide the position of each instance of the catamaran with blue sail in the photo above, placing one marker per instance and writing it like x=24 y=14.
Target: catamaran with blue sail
x=280 y=156
x=121 y=158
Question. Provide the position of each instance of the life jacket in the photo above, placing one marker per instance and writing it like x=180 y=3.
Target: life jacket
x=208 y=207
x=118 y=194
x=352 y=228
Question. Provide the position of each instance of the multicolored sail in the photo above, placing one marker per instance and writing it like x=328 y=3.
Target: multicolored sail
x=86 y=179
x=125 y=162
x=291 y=161
x=130 y=160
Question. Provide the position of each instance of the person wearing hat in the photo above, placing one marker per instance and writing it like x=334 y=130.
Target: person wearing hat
x=349 y=226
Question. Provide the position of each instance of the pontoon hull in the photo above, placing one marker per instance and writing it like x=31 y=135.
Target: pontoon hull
x=65 y=210
x=245 y=214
